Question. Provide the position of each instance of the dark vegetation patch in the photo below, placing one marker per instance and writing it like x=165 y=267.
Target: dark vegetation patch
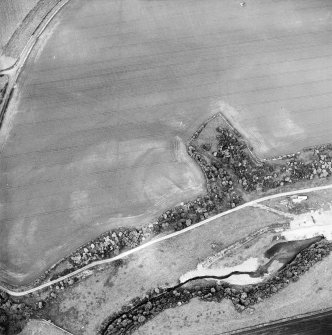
x=3 y=86
x=107 y=245
x=13 y=314
x=114 y=270
x=155 y=301
x=232 y=172
x=289 y=248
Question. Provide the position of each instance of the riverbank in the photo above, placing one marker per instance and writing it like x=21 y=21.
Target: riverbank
x=232 y=175
x=144 y=309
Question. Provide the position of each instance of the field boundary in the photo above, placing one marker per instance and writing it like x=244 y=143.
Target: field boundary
x=14 y=71
x=163 y=238
x=317 y=313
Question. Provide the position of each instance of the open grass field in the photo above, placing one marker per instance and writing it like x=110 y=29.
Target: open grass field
x=315 y=201
x=310 y=293
x=94 y=137
x=82 y=308
x=42 y=327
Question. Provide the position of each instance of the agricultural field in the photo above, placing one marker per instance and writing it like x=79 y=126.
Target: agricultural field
x=308 y=294
x=103 y=132
x=113 y=90
x=82 y=308
x=12 y=14
x=20 y=21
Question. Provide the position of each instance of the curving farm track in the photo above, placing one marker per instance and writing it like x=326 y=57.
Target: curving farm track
x=88 y=141
x=163 y=238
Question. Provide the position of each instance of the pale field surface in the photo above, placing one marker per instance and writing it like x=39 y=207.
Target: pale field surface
x=311 y=292
x=250 y=264
x=19 y=21
x=112 y=90
x=3 y=81
x=311 y=217
x=316 y=200
x=255 y=248
x=41 y=327
x=106 y=291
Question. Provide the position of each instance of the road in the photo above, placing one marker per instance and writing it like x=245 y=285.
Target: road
x=32 y=41
x=163 y=238
x=14 y=70
x=91 y=137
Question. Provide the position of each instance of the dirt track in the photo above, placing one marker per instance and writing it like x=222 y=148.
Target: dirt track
x=114 y=87
x=166 y=237
x=11 y=15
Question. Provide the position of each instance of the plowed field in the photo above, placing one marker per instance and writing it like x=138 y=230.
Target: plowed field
x=94 y=136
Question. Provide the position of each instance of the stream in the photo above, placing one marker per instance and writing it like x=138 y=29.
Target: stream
x=283 y=251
